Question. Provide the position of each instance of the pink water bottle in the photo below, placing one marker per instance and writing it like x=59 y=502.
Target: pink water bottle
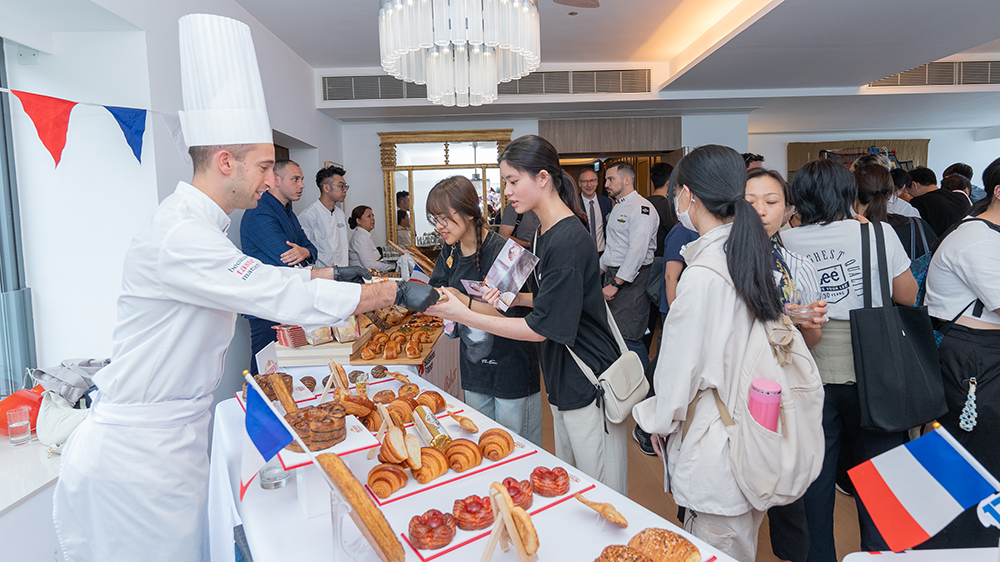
x=765 y=402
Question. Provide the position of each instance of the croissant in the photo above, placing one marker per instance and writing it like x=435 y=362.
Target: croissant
x=390 y=353
x=400 y=411
x=379 y=337
x=433 y=400
x=398 y=337
x=385 y=479
x=421 y=336
x=384 y=396
x=433 y=463
x=354 y=404
x=372 y=421
x=463 y=455
x=393 y=446
x=496 y=444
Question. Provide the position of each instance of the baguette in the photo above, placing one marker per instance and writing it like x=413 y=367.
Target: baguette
x=281 y=391
x=366 y=516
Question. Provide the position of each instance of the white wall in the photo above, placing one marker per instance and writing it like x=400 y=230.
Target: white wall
x=363 y=162
x=946 y=146
x=727 y=129
x=77 y=220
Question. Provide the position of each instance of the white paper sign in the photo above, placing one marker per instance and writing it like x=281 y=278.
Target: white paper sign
x=267 y=360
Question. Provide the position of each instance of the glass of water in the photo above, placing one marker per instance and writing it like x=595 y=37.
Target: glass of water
x=800 y=307
x=19 y=426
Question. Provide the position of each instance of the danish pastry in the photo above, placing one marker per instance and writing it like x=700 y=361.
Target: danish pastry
x=432 y=530
x=384 y=397
x=379 y=372
x=520 y=492
x=385 y=479
x=409 y=389
x=433 y=463
x=398 y=337
x=473 y=513
x=372 y=421
x=463 y=455
x=368 y=353
x=413 y=350
x=496 y=444
x=550 y=483
x=379 y=337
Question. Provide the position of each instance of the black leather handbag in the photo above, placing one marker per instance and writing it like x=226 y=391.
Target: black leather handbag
x=895 y=354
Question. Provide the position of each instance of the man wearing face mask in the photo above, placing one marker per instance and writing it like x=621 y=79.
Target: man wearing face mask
x=628 y=254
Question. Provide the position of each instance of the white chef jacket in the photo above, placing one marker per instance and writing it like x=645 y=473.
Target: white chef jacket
x=631 y=240
x=134 y=476
x=327 y=230
x=363 y=252
x=704 y=340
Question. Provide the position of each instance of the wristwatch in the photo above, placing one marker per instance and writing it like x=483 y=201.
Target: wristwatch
x=615 y=284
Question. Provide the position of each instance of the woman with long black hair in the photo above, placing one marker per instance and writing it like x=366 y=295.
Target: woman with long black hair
x=499 y=375
x=567 y=310
x=705 y=338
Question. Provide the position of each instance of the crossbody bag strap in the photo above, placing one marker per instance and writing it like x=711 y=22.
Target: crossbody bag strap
x=866 y=265
x=913 y=238
x=923 y=236
x=883 y=265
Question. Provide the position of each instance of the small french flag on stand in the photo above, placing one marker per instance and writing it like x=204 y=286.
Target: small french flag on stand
x=419 y=275
x=917 y=489
x=265 y=436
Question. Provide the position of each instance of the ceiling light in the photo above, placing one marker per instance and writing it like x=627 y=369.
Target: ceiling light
x=460 y=49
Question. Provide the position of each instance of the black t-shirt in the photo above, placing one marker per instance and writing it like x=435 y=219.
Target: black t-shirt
x=665 y=209
x=569 y=310
x=942 y=208
x=511 y=368
x=911 y=237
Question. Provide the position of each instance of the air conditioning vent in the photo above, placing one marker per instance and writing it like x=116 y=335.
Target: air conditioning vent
x=966 y=73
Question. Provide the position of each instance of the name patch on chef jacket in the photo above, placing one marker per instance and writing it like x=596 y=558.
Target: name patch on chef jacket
x=621 y=220
x=244 y=267
x=645 y=210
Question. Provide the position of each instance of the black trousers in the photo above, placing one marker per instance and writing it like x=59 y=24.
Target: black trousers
x=966 y=353
x=261 y=334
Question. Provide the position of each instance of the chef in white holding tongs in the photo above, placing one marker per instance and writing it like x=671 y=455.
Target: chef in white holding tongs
x=134 y=477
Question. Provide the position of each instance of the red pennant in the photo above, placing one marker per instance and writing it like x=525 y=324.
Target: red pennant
x=51 y=119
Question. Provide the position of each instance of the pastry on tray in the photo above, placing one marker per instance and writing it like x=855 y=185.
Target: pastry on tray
x=372 y=421
x=401 y=411
x=432 y=530
x=320 y=427
x=409 y=389
x=352 y=377
x=433 y=400
x=550 y=483
x=473 y=513
x=622 y=553
x=384 y=397
x=661 y=545
x=265 y=384
x=379 y=372
x=520 y=492
x=496 y=443
x=309 y=383
x=463 y=455
x=433 y=463
x=385 y=479
x=354 y=404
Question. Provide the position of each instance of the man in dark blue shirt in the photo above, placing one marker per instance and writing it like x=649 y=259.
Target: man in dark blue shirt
x=272 y=234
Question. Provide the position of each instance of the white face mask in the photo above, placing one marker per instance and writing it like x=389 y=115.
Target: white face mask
x=684 y=218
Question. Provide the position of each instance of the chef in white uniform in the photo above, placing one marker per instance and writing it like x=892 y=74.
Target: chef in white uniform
x=134 y=477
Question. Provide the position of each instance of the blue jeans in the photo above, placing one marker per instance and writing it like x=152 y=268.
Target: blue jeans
x=523 y=416
x=842 y=417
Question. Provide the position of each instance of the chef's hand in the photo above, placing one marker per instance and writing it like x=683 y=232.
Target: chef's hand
x=351 y=274
x=295 y=255
x=415 y=296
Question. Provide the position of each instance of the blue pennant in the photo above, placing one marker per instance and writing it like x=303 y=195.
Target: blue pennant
x=133 y=124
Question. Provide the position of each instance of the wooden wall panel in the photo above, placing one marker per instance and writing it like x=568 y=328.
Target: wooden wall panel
x=600 y=136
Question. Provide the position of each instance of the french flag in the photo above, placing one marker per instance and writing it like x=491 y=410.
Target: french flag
x=916 y=489
x=265 y=436
x=419 y=275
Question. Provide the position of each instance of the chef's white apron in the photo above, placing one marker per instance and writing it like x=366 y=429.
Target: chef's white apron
x=142 y=472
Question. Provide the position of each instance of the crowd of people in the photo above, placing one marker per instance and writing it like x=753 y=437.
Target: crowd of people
x=622 y=256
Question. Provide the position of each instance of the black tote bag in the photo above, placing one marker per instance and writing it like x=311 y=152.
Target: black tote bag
x=895 y=355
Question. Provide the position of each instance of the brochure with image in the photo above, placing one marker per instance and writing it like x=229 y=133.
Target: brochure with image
x=508 y=274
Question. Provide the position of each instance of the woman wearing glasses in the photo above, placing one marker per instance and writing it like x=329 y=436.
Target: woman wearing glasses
x=567 y=310
x=499 y=375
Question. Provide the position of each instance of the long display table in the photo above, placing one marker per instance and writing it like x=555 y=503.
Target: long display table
x=294 y=522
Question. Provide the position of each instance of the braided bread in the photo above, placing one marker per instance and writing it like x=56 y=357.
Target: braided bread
x=463 y=455
x=385 y=479
x=496 y=443
x=433 y=463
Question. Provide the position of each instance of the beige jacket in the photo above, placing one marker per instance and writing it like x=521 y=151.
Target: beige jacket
x=704 y=340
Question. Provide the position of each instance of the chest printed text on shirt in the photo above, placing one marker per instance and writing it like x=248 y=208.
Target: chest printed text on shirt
x=835 y=278
x=244 y=267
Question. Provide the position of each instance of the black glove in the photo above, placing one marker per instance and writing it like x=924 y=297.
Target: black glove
x=351 y=274
x=415 y=296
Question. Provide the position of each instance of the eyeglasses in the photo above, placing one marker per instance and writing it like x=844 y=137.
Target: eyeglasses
x=345 y=187
x=588 y=181
x=438 y=220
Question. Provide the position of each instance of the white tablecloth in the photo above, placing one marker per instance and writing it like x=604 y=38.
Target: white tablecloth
x=277 y=529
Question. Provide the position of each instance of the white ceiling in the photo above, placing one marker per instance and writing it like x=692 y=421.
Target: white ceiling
x=63 y=15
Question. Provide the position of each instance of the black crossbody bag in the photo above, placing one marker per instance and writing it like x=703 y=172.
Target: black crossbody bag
x=895 y=354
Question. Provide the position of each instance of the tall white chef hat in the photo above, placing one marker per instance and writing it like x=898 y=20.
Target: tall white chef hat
x=223 y=94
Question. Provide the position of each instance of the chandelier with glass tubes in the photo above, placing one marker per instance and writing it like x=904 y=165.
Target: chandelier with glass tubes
x=460 y=49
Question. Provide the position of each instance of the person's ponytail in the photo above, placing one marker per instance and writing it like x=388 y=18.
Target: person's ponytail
x=567 y=192
x=717 y=176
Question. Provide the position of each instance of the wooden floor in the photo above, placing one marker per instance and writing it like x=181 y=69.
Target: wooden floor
x=645 y=487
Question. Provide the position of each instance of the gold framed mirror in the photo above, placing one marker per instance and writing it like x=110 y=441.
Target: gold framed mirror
x=413 y=162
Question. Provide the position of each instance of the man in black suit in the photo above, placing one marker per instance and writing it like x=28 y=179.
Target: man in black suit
x=595 y=206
